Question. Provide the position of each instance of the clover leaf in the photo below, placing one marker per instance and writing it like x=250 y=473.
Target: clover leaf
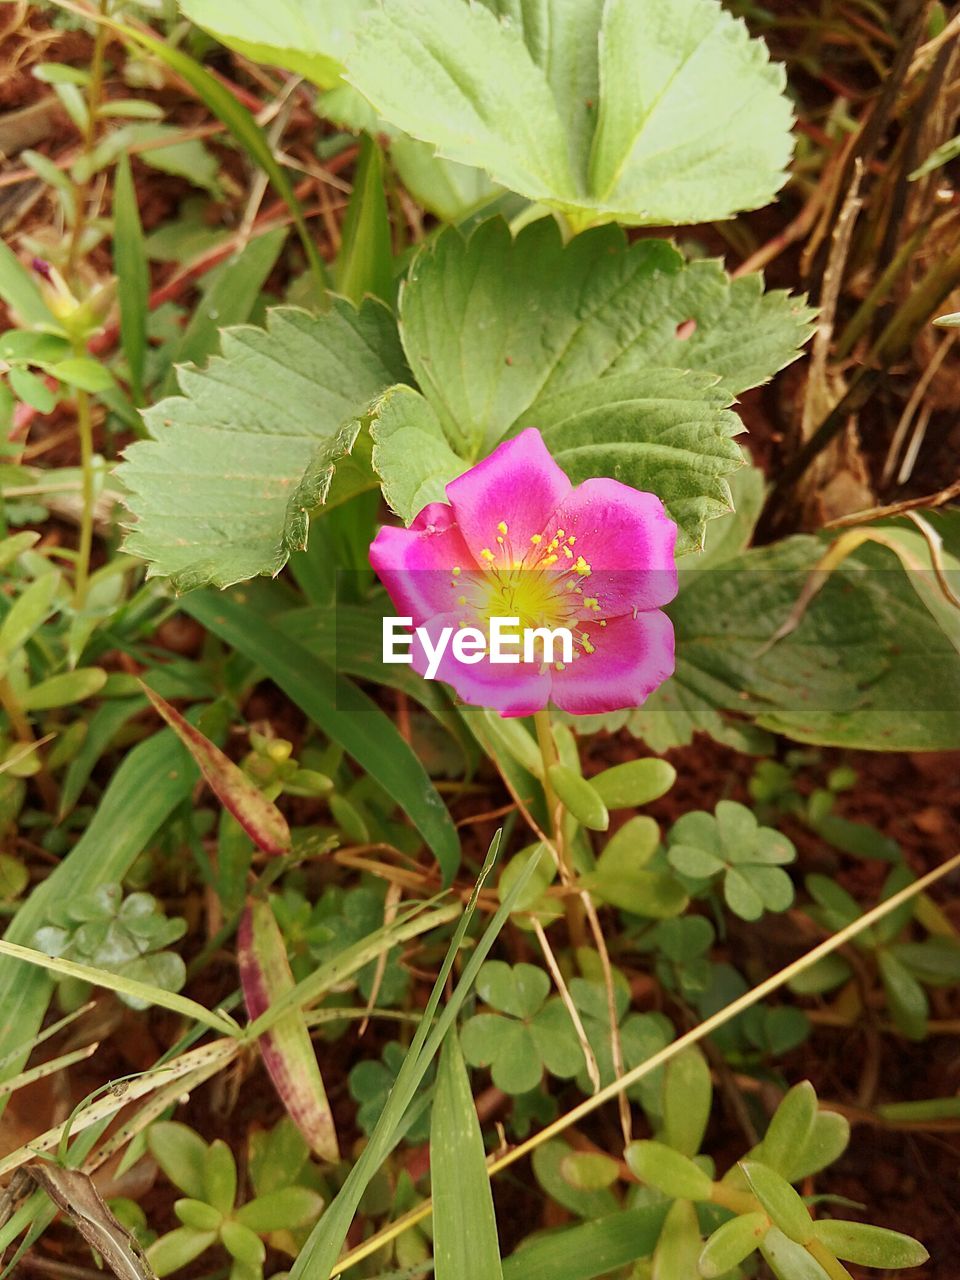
x=731 y=844
x=370 y=1084
x=527 y=1035
x=125 y=936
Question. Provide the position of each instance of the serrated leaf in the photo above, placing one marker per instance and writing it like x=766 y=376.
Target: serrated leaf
x=599 y=109
x=465 y=1243
x=223 y=490
x=287 y=1050
x=524 y=319
x=259 y=817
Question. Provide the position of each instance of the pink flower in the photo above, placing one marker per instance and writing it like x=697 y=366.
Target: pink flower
x=516 y=539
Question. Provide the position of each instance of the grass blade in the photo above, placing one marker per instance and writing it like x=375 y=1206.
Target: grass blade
x=465 y=1243
x=133 y=275
x=240 y=123
x=319 y=1255
x=365 y=264
x=593 y=1249
x=117 y=982
x=348 y=716
x=20 y=293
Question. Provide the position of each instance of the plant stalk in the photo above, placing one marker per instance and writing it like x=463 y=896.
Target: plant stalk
x=573 y=904
x=94 y=96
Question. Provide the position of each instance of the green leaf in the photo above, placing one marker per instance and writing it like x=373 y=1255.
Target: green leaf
x=870 y=1246
x=287 y=1209
x=596 y=109
x=133 y=275
x=841 y=678
x=181 y=1153
x=178 y=1248
x=31 y=389
x=783 y=1205
x=494 y=325
x=29 y=612
x=590 y=1250
x=365 y=262
x=241 y=1243
x=687 y=1098
x=790 y=1129
x=519 y=990
x=788 y=1260
x=219 y=1176
x=638 y=782
x=680 y=1242
x=309 y=38
x=65 y=689
x=579 y=796
x=465 y=1244
x=908 y=1002
x=275 y=404
x=345 y=714
x=410 y=451
x=83 y=372
x=198 y=1214
x=731 y=1244
x=670 y=1172
x=260 y=818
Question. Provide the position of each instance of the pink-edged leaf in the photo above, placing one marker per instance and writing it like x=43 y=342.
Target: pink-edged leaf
x=260 y=818
x=286 y=1048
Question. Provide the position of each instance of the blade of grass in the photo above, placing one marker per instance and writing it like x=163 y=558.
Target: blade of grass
x=591 y=1250
x=125 y=986
x=465 y=1242
x=365 y=264
x=133 y=275
x=241 y=125
x=118 y=1094
x=152 y=780
x=345 y=714
x=44 y=1069
x=318 y=1257
x=698 y=1033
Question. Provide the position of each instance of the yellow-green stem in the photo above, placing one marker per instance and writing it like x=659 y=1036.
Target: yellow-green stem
x=831 y=1264
x=94 y=95
x=573 y=906
x=736 y=1201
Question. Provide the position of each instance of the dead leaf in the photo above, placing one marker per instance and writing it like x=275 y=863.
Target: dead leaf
x=73 y=1191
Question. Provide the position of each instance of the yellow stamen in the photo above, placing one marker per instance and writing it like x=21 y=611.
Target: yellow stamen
x=536 y=539
x=487 y=554
x=502 y=526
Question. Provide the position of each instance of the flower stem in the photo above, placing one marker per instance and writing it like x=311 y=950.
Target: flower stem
x=94 y=95
x=828 y=1261
x=573 y=905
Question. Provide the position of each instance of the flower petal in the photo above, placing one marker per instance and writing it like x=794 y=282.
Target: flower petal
x=416 y=564
x=518 y=486
x=631 y=657
x=625 y=539
x=512 y=689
